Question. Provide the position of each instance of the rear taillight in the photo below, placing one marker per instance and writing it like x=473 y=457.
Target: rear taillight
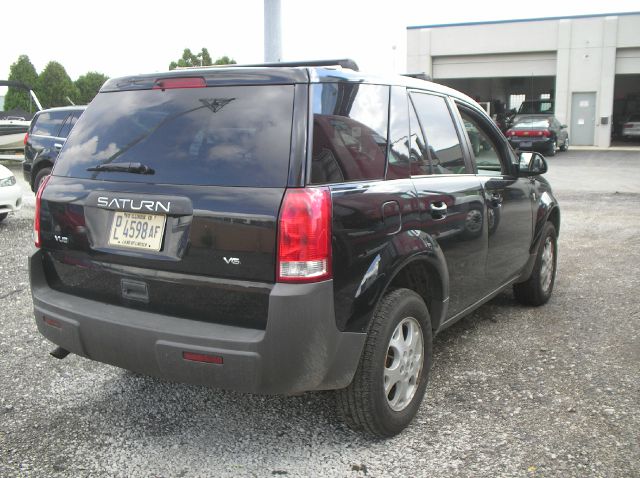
x=529 y=133
x=546 y=133
x=36 y=220
x=627 y=125
x=509 y=132
x=171 y=83
x=26 y=138
x=304 y=236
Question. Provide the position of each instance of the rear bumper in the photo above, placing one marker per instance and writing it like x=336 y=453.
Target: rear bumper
x=26 y=171
x=301 y=348
x=528 y=144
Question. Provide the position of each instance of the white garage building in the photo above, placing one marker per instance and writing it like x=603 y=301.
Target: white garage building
x=589 y=65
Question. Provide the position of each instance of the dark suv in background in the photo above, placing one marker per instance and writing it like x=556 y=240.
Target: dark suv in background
x=285 y=229
x=44 y=139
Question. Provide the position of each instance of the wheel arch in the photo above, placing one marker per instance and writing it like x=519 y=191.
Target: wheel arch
x=429 y=280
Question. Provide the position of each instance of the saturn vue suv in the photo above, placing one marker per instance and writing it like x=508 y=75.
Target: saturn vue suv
x=284 y=229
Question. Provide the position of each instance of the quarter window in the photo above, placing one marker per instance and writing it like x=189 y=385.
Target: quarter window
x=48 y=124
x=443 y=143
x=349 y=132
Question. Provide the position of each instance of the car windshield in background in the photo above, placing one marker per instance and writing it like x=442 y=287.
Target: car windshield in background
x=223 y=136
x=531 y=123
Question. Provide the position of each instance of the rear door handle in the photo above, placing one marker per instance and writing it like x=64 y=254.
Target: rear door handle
x=58 y=146
x=438 y=210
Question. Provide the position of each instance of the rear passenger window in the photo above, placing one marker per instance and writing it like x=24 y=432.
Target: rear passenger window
x=442 y=139
x=349 y=132
x=48 y=124
x=68 y=124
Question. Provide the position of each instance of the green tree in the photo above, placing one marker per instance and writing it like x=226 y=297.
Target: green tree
x=203 y=58
x=225 y=60
x=24 y=72
x=55 y=86
x=88 y=86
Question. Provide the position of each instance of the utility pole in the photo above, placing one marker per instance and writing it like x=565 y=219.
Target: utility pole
x=272 y=31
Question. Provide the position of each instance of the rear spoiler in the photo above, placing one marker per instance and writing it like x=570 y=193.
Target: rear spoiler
x=18 y=84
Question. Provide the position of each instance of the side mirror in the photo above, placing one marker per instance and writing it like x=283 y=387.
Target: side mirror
x=532 y=164
x=564 y=126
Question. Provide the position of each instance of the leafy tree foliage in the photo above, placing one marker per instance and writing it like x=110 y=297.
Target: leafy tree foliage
x=24 y=72
x=201 y=59
x=225 y=60
x=88 y=86
x=54 y=86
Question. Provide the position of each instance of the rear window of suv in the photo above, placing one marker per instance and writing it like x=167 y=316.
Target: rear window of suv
x=223 y=136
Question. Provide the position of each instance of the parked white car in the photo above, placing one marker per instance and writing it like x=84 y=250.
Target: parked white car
x=10 y=193
x=631 y=127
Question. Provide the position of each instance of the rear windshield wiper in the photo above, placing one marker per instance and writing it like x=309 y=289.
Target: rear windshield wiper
x=137 y=168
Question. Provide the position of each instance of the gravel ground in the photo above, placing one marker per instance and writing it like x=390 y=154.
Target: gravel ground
x=515 y=391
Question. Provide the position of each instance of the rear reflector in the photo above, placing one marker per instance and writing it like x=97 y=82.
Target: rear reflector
x=193 y=357
x=304 y=236
x=170 y=83
x=52 y=322
x=36 y=219
x=26 y=138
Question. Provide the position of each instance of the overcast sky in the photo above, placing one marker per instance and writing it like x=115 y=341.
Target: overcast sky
x=138 y=36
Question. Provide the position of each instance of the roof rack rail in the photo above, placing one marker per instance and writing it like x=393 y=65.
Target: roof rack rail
x=419 y=76
x=343 y=63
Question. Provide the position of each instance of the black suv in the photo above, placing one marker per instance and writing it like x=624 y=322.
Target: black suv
x=46 y=135
x=285 y=229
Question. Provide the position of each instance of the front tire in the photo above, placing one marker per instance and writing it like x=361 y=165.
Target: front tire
x=565 y=146
x=538 y=288
x=390 y=382
x=3 y=216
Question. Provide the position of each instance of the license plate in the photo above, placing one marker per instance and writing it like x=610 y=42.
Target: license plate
x=137 y=231
x=526 y=144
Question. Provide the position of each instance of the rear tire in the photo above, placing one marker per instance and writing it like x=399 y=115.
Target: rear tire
x=43 y=173
x=390 y=382
x=552 y=150
x=538 y=288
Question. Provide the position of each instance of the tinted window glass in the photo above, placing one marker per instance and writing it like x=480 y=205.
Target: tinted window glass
x=349 y=132
x=418 y=147
x=398 y=159
x=483 y=147
x=227 y=136
x=442 y=138
x=48 y=124
x=68 y=125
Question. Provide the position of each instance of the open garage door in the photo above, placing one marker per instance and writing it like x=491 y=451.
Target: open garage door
x=495 y=66
x=501 y=95
x=626 y=94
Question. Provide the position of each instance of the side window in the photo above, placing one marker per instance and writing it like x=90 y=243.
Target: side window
x=484 y=148
x=398 y=158
x=48 y=124
x=418 y=147
x=66 y=127
x=349 y=132
x=442 y=139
